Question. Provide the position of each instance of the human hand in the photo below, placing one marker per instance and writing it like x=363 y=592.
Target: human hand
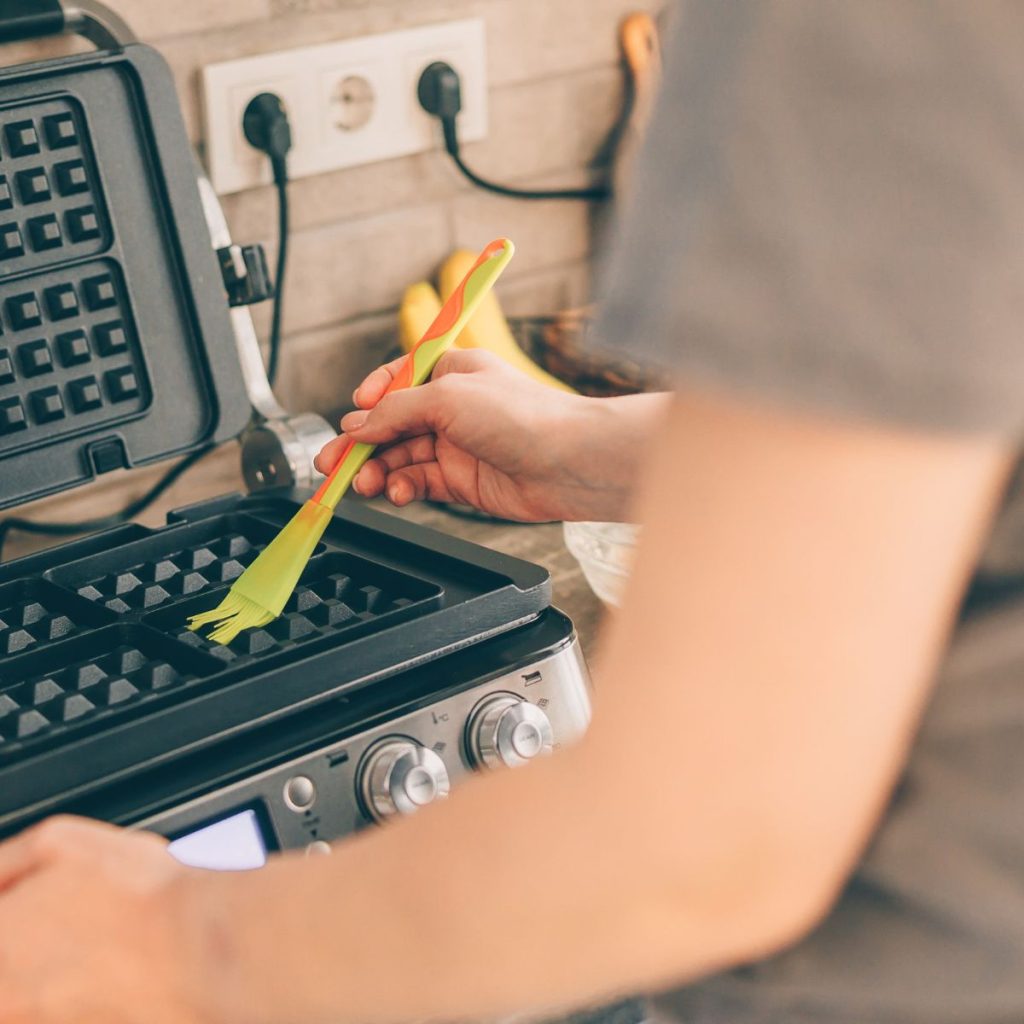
x=481 y=433
x=88 y=929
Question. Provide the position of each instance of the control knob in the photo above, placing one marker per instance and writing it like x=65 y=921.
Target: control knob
x=399 y=776
x=507 y=730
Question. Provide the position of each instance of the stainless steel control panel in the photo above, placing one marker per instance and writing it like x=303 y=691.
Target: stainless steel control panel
x=408 y=762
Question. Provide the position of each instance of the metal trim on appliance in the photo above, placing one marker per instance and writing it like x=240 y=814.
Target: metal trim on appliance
x=565 y=683
x=33 y=19
x=278 y=447
x=257 y=386
x=96 y=22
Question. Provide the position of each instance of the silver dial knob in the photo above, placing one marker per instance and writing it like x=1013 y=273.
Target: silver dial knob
x=399 y=776
x=507 y=730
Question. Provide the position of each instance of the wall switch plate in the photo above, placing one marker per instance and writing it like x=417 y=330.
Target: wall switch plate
x=349 y=103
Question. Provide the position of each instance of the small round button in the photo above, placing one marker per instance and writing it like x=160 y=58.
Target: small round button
x=299 y=793
x=318 y=848
x=399 y=776
x=527 y=740
x=507 y=730
x=420 y=786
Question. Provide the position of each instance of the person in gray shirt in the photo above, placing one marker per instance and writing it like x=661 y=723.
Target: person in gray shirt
x=802 y=798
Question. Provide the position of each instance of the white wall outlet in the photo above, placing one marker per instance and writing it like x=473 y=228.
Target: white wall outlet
x=349 y=103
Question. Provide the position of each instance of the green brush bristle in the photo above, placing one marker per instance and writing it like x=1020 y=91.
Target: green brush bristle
x=235 y=613
x=261 y=592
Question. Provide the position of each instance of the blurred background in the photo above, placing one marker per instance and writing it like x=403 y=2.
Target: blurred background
x=555 y=88
x=559 y=96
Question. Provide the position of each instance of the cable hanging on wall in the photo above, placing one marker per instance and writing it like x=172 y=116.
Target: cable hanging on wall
x=440 y=94
x=266 y=128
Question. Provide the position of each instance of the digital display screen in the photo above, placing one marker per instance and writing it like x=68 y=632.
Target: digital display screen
x=231 y=844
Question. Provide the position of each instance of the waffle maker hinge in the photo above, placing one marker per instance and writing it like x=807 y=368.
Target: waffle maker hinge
x=278 y=447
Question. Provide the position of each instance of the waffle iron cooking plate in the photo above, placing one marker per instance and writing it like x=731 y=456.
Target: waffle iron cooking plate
x=116 y=346
x=99 y=677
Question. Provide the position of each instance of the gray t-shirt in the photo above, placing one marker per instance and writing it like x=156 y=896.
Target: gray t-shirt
x=829 y=213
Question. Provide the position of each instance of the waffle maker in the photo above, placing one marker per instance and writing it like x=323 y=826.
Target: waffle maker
x=405 y=660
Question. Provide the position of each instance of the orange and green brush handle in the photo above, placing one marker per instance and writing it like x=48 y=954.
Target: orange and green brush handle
x=260 y=594
x=420 y=362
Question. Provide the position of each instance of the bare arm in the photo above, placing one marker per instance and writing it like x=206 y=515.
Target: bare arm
x=757 y=695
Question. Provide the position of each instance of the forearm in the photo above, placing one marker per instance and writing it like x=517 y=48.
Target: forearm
x=525 y=892
x=751 y=718
x=602 y=452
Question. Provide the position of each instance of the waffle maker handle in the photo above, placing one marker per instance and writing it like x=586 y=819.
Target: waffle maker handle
x=29 y=19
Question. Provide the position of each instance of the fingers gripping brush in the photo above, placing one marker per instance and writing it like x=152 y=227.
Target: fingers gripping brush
x=261 y=592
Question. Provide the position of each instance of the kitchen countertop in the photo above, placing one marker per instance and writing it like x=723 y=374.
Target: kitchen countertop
x=219 y=474
x=541 y=543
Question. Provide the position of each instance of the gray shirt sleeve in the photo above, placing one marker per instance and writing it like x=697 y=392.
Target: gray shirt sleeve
x=829 y=211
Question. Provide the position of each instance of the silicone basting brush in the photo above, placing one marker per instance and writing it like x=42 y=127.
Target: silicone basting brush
x=259 y=595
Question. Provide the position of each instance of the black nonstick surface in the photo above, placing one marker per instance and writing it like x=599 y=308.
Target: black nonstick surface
x=98 y=672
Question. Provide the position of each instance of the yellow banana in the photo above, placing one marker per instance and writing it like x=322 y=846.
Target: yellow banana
x=488 y=328
x=420 y=307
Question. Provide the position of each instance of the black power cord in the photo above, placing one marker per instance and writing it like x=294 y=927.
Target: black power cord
x=130 y=511
x=266 y=127
x=440 y=94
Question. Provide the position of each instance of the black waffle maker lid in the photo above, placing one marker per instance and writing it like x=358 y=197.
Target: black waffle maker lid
x=116 y=344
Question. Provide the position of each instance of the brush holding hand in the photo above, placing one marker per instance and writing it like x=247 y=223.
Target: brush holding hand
x=484 y=434
x=259 y=595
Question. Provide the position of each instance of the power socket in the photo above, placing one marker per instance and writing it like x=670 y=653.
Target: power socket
x=349 y=103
